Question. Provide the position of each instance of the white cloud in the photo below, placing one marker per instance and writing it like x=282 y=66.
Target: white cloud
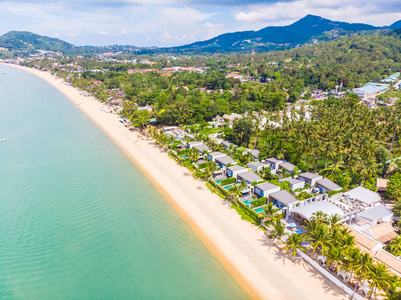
x=104 y=33
x=123 y=31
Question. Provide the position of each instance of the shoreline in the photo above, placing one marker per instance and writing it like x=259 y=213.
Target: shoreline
x=260 y=270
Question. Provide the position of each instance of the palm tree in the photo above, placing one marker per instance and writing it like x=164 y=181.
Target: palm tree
x=271 y=211
x=353 y=256
x=320 y=239
x=333 y=219
x=235 y=191
x=278 y=230
x=294 y=242
x=379 y=278
x=336 y=256
x=363 y=266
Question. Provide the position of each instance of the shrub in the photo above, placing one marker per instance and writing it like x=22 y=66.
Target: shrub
x=202 y=165
x=227 y=181
x=222 y=190
x=259 y=202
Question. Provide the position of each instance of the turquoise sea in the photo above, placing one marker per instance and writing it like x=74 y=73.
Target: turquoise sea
x=78 y=220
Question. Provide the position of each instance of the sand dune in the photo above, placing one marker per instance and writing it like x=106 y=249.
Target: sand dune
x=262 y=270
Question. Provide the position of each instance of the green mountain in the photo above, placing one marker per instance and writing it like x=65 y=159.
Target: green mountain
x=303 y=31
x=28 y=41
x=396 y=25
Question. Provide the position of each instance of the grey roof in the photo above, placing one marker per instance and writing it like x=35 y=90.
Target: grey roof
x=219 y=154
x=287 y=165
x=225 y=160
x=274 y=160
x=326 y=207
x=266 y=186
x=328 y=184
x=254 y=152
x=363 y=195
x=236 y=168
x=284 y=197
x=376 y=213
x=194 y=143
x=310 y=176
x=228 y=144
x=292 y=180
x=249 y=176
x=201 y=148
x=256 y=164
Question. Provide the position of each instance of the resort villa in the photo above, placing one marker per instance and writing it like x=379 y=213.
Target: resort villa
x=265 y=189
x=310 y=178
x=193 y=144
x=228 y=145
x=225 y=161
x=273 y=163
x=282 y=199
x=257 y=166
x=363 y=196
x=326 y=185
x=287 y=166
x=375 y=215
x=235 y=170
x=248 y=177
x=201 y=148
x=294 y=183
x=212 y=156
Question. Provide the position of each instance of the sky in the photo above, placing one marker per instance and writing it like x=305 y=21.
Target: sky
x=176 y=22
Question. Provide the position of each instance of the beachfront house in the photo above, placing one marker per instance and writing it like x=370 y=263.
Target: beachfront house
x=383 y=232
x=282 y=199
x=228 y=145
x=375 y=215
x=326 y=185
x=233 y=171
x=273 y=163
x=306 y=209
x=287 y=166
x=257 y=166
x=254 y=152
x=201 y=148
x=193 y=144
x=310 y=178
x=225 y=161
x=363 y=196
x=212 y=156
x=248 y=177
x=265 y=189
x=294 y=183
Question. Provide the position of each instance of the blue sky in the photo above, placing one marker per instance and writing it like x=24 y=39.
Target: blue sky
x=176 y=22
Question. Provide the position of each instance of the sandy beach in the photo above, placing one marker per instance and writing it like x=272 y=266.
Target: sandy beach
x=248 y=255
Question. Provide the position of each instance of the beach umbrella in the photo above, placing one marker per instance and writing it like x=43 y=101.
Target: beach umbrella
x=364 y=289
x=292 y=225
x=343 y=274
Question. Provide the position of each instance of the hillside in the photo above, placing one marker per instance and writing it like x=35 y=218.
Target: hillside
x=28 y=41
x=303 y=31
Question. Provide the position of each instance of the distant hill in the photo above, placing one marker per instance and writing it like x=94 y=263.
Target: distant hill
x=28 y=41
x=396 y=25
x=303 y=31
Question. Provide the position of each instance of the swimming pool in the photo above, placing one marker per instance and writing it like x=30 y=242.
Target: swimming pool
x=248 y=202
x=298 y=231
x=218 y=181
x=227 y=186
x=260 y=210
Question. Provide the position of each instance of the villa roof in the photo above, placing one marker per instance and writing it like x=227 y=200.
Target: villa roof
x=228 y=144
x=249 y=176
x=201 y=148
x=217 y=154
x=274 y=160
x=225 y=160
x=307 y=210
x=381 y=184
x=194 y=143
x=363 y=195
x=389 y=260
x=328 y=184
x=236 y=168
x=292 y=180
x=310 y=176
x=383 y=232
x=266 y=186
x=287 y=165
x=376 y=213
x=364 y=243
x=256 y=164
x=284 y=197
x=254 y=152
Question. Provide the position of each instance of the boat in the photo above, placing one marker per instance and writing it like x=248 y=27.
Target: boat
x=2 y=140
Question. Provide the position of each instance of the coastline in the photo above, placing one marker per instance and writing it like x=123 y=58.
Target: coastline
x=260 y=269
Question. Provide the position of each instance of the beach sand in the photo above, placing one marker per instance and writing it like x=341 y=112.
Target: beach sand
x=243 y=249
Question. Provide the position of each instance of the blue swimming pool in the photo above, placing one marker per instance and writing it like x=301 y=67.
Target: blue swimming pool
x=248 y=202
x=260 y=210
x=218 y=181
x=227 y=186
x=298 y=231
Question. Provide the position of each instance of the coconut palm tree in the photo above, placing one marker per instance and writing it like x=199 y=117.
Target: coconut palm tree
x=320 y=239
x=277 y=231
x=379 y=278
x=271 y=211
x=363 y=266
x=294 y=243
x=235 y=191
x=336 y=256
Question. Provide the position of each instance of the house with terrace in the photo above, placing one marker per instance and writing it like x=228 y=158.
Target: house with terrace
x=265 y=189
x=289 y=167
x=235 y=170
x=212 y=156
x=363 y=197
x=257 y=166
x=273 y=163
x=294 y=183
x=225 y=161
x=304 y=210
x=254 y=152
x=326 y=185
x=193 y=144
x=310 y=178
x=248 y=177
x=375 y=215
x=201 y=148
x=282 y=199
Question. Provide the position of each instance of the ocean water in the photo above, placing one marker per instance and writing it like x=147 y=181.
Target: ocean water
x=78 y=220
